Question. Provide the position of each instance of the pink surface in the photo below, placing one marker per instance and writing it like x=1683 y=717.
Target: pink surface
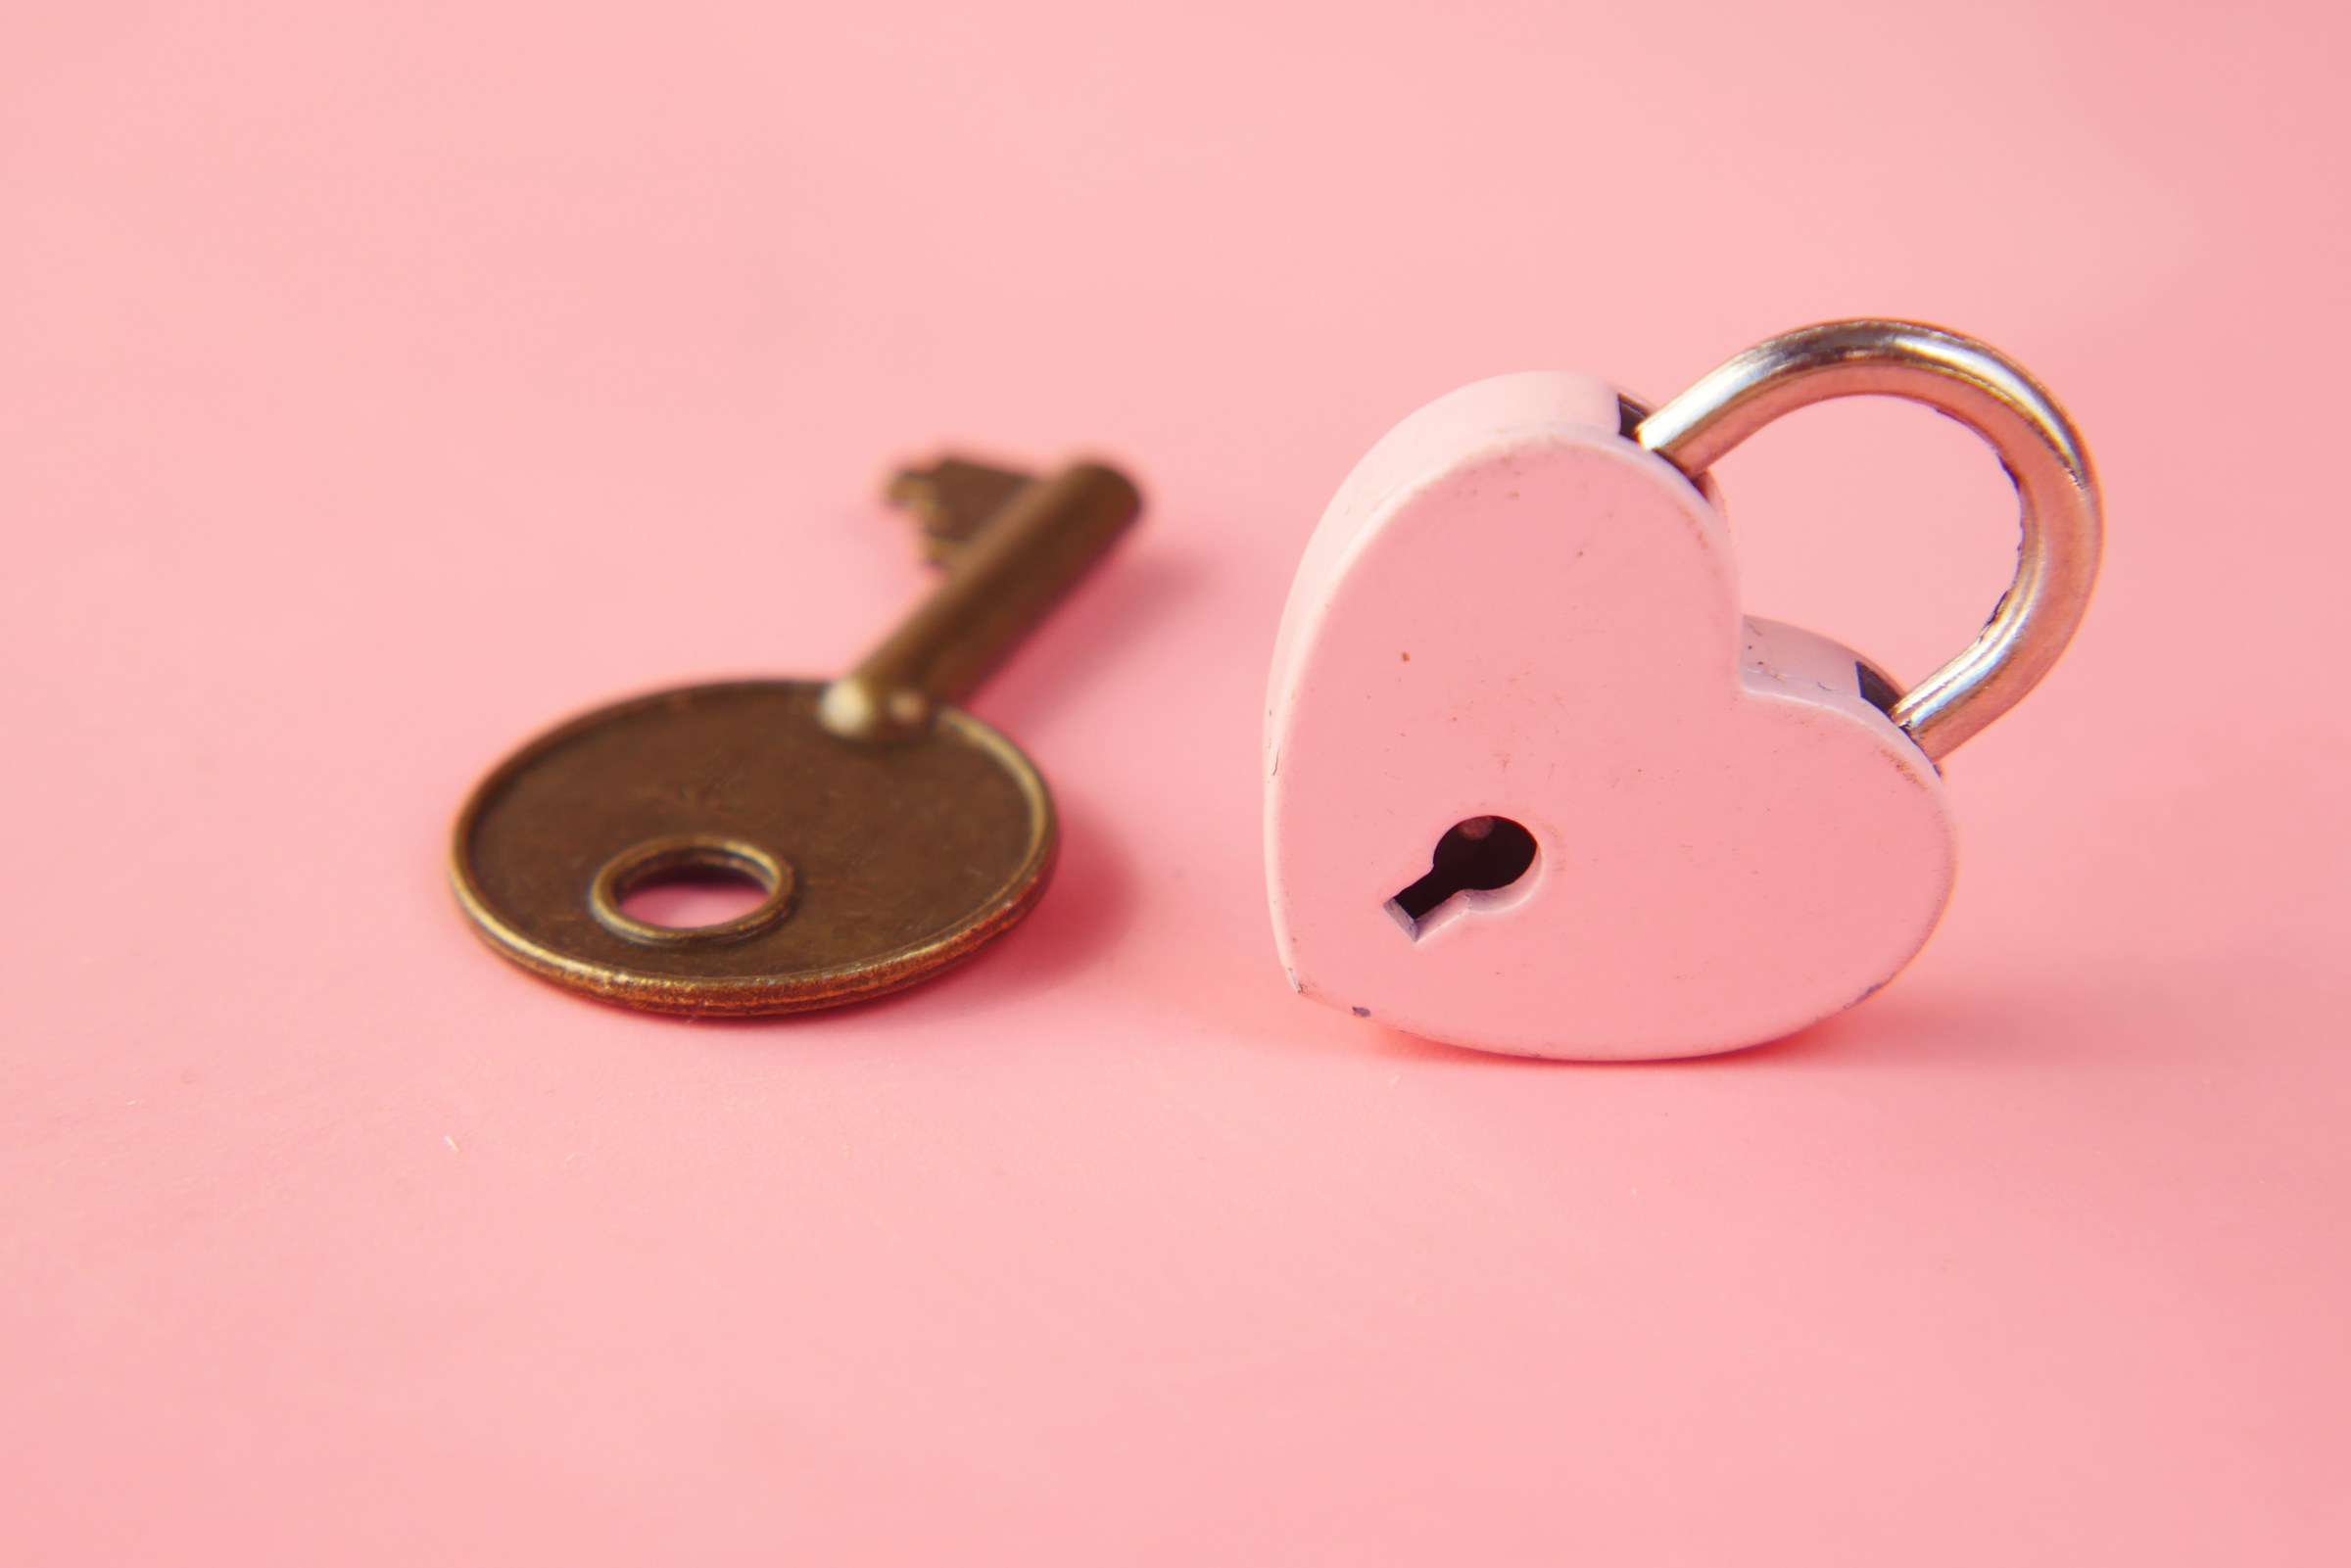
x=381 y=383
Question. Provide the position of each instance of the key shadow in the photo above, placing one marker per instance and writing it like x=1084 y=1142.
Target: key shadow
x=1091 y=898
x=1087 y=904
x=1083 y=641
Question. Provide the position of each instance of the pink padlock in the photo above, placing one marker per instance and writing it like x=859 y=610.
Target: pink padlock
x=1534 y=785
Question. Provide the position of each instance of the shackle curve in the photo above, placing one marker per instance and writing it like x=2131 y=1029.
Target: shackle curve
x=1974 y=383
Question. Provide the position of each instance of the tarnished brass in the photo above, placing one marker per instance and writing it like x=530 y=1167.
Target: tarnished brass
x=894 y=835
x=953 y=499
x=1000 y=581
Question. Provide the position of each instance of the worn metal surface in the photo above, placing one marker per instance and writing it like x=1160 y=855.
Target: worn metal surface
x=953 y=499
x=886 y=850
x=902 y=858
x=1001 y=580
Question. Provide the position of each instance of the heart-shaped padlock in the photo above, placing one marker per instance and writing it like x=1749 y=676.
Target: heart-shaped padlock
x=1533 y=785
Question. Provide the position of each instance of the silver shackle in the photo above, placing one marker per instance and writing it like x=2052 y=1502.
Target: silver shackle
x=2057 y=557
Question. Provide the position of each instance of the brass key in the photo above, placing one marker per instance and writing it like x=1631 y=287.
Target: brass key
x=891 y=832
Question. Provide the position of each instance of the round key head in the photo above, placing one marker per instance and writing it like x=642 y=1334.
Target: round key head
x=881 y=862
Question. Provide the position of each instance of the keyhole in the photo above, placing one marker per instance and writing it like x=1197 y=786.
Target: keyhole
x=1479 y=855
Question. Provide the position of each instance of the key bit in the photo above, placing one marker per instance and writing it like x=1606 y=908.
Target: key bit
x=953 y=499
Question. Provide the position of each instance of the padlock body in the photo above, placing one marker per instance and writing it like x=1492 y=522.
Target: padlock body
x=1511 y=612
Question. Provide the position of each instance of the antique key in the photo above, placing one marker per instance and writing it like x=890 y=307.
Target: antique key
x=891 y=833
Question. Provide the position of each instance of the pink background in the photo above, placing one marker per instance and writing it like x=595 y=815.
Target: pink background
x=381 y=383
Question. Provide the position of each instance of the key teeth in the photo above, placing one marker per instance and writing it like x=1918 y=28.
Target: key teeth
x=953 y=499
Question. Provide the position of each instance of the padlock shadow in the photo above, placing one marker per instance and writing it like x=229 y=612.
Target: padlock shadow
x=1919 y=1027
x=2031 y=1020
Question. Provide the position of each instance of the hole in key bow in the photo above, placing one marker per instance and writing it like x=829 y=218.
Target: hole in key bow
x=691 y=897
x=1477 y=855
x=695 y=889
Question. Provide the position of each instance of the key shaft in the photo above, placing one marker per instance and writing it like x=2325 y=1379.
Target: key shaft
x=999 y=585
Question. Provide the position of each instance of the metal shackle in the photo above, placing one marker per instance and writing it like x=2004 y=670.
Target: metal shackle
x=2057 y=557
